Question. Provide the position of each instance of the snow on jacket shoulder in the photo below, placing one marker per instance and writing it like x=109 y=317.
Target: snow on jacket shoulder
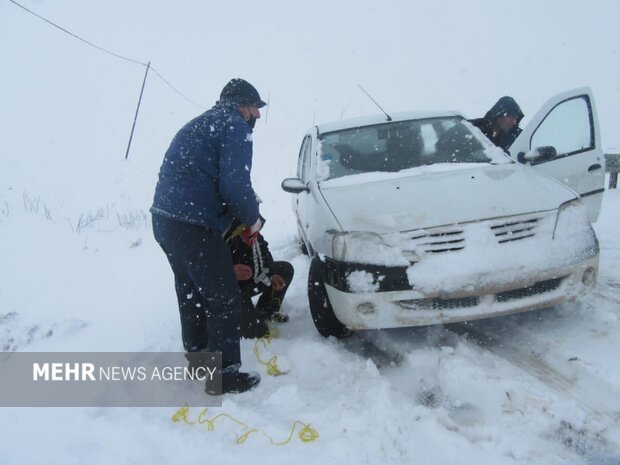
x=205 y=176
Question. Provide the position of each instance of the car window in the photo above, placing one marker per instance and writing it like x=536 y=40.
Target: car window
x=300 y=159
x=305 y=169
x=400 y=145
x=568 y=128
x=303 y=162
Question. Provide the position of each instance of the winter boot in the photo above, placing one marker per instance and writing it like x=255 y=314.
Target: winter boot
x=234 y=382
x=269 y=310
x=198 y=362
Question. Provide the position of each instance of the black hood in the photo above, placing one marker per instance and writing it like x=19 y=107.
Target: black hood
x=504 y=106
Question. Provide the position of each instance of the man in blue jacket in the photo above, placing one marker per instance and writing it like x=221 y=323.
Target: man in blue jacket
x=204 y=182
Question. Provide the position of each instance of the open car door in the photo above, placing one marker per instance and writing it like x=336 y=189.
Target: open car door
x=563 y=141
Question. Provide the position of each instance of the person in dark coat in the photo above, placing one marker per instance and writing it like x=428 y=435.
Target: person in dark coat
x=204 y=182
x=258 y=273
x=501 y=122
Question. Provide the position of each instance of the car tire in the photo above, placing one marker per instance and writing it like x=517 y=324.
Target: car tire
x=323 y=315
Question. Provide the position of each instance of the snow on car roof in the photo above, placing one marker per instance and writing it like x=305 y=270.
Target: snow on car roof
x=378 y=119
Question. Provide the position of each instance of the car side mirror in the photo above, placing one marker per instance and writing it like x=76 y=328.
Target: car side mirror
x=294 y=185
x=545 y=153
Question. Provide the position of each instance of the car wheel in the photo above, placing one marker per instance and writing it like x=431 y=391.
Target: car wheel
x=323 y=315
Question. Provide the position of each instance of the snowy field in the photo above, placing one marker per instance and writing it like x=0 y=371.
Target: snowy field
x=542 y=387
x=80 y=270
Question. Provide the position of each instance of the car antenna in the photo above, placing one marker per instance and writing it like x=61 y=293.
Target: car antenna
x=389 y=118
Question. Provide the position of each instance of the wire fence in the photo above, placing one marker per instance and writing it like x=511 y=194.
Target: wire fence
x=146 y=64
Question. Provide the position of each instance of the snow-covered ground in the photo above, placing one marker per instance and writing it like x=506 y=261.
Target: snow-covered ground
x=80 y=271
x=542 y=387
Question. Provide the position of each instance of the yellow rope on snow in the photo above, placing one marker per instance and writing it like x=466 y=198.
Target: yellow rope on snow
x=181 y=414
x=271 y=364
x=305 y=434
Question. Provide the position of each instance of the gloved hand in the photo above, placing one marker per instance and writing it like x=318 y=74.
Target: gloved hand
x=242 y=272
x=249 y=236
x=277 y=282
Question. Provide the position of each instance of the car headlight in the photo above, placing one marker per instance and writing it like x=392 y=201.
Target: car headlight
x=573 y=228
x=366 y=247
x=571 y=219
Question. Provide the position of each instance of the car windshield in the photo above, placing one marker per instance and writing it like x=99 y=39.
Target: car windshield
x=400 y=145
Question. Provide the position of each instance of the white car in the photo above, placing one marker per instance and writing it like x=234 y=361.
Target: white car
x=418 y=219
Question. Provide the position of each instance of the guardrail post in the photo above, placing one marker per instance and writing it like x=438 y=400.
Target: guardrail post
x=612 y=166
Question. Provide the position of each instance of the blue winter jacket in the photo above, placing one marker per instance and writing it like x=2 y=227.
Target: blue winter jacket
x=205 y=177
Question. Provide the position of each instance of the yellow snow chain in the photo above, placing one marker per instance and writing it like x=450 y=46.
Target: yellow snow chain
x=271 y=364
x=305 y=434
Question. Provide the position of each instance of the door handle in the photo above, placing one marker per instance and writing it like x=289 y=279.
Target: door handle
x=594 y=167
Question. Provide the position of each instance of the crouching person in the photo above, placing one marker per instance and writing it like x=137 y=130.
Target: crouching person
x=259 y=274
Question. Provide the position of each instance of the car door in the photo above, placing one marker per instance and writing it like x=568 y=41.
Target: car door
x=568 y=122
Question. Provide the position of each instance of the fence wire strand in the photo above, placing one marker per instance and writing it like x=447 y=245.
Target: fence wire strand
x=175 y=89
x=76 y=36
x=138 y=62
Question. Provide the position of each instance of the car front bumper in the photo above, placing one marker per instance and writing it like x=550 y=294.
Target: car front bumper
x=395 y=303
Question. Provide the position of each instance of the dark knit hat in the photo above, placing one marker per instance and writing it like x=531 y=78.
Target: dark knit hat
x=242 y=93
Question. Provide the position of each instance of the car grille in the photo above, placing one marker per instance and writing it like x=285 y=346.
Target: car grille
x=439 y=304
x=446 y=239
x=515 y=230
x=433 y=242
x=539 y=288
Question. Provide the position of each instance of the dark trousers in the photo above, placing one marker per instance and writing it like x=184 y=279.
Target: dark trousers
x=268 y=303
x=207 y=290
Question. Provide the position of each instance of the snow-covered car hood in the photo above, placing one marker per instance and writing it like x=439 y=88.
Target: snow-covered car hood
x=426 y=198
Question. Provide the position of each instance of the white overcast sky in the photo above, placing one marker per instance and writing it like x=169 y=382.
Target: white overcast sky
x=306 y=57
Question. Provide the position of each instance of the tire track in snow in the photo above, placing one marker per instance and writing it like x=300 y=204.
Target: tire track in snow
x=591 y=393
x=598 y=399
